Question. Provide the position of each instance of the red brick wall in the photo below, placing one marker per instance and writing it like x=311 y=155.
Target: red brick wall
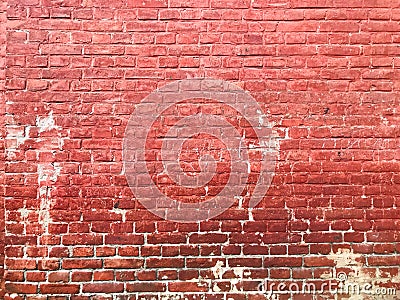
x=325 y=73
x=3 y=20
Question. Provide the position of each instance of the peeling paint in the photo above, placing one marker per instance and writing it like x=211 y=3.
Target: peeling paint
x=121 y=212
x=345 y=258
x=218 y=271
x=24 y=212
x=215 y=287
x=47 y=123
x=47 y=175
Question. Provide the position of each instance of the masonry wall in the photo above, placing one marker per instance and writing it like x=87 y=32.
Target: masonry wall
x=325 y=72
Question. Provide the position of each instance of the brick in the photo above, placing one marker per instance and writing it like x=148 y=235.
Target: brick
x=283 y=262
x=118 y=263
x=164 y=263
x=146 y=287
x=82 y=239
x=59 y=288
x=22 y=288
x=147 y=3
x=81 y=276
x=36 y=85
x=35 y=276
x=245 y=262
x=81 y=263
x=103 y=287
x=124 y=239
x=383 y=260
x=339 y=50
x=185 y=286
x=61 y=49
x=318 y=262
x=58 y=276
x=208 y=238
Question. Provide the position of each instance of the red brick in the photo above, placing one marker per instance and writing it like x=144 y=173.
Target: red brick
x=103 y=287
x=384 y=261
x=164 y=263
x=22 y=288
x=81 y=263
x=318 y=262
x=208 y=238
x=283 y=262
x=58 y=276
x=119 y=263
x=81 y=276
x=187 y=286
x=59 y=288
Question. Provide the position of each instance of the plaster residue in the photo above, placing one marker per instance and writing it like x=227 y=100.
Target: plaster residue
x=357 y=275
x=46 y=123
x=47 y=172
x=24 y=212
x=172 y=297
x=219 y=270
x=16 y=136
x=47 y=176
x=167 y=296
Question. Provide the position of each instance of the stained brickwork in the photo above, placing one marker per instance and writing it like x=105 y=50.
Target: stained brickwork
x=325 y=73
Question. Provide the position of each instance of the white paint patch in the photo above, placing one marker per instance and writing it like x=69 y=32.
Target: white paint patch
x=215 y=287
x=46 y=123
x=240 y=201
x=48 y=172
x=16 y=136
x=251 y=217
x=121 y=212
x=238 y=271
x=24 y=212
x=47 y=175
x=345 y=258
x=218 y=271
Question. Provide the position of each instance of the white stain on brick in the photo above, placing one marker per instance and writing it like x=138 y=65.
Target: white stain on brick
x=46 y=123
x=218 y=270
x=345 y=258
x=24 y=212
x=16 y=136
x=47 y=172
x=47 y=176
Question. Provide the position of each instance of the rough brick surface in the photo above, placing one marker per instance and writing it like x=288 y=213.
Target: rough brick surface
x=326 y=73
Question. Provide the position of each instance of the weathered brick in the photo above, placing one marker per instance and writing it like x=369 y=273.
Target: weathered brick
x=325 y=73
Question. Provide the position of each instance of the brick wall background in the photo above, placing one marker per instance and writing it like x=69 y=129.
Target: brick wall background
x=326 y=72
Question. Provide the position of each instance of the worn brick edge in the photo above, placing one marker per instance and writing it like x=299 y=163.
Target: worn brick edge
x=3 y=20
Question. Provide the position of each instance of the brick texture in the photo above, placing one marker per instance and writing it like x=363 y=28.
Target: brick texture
x=3 y=22
x=326 y=73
